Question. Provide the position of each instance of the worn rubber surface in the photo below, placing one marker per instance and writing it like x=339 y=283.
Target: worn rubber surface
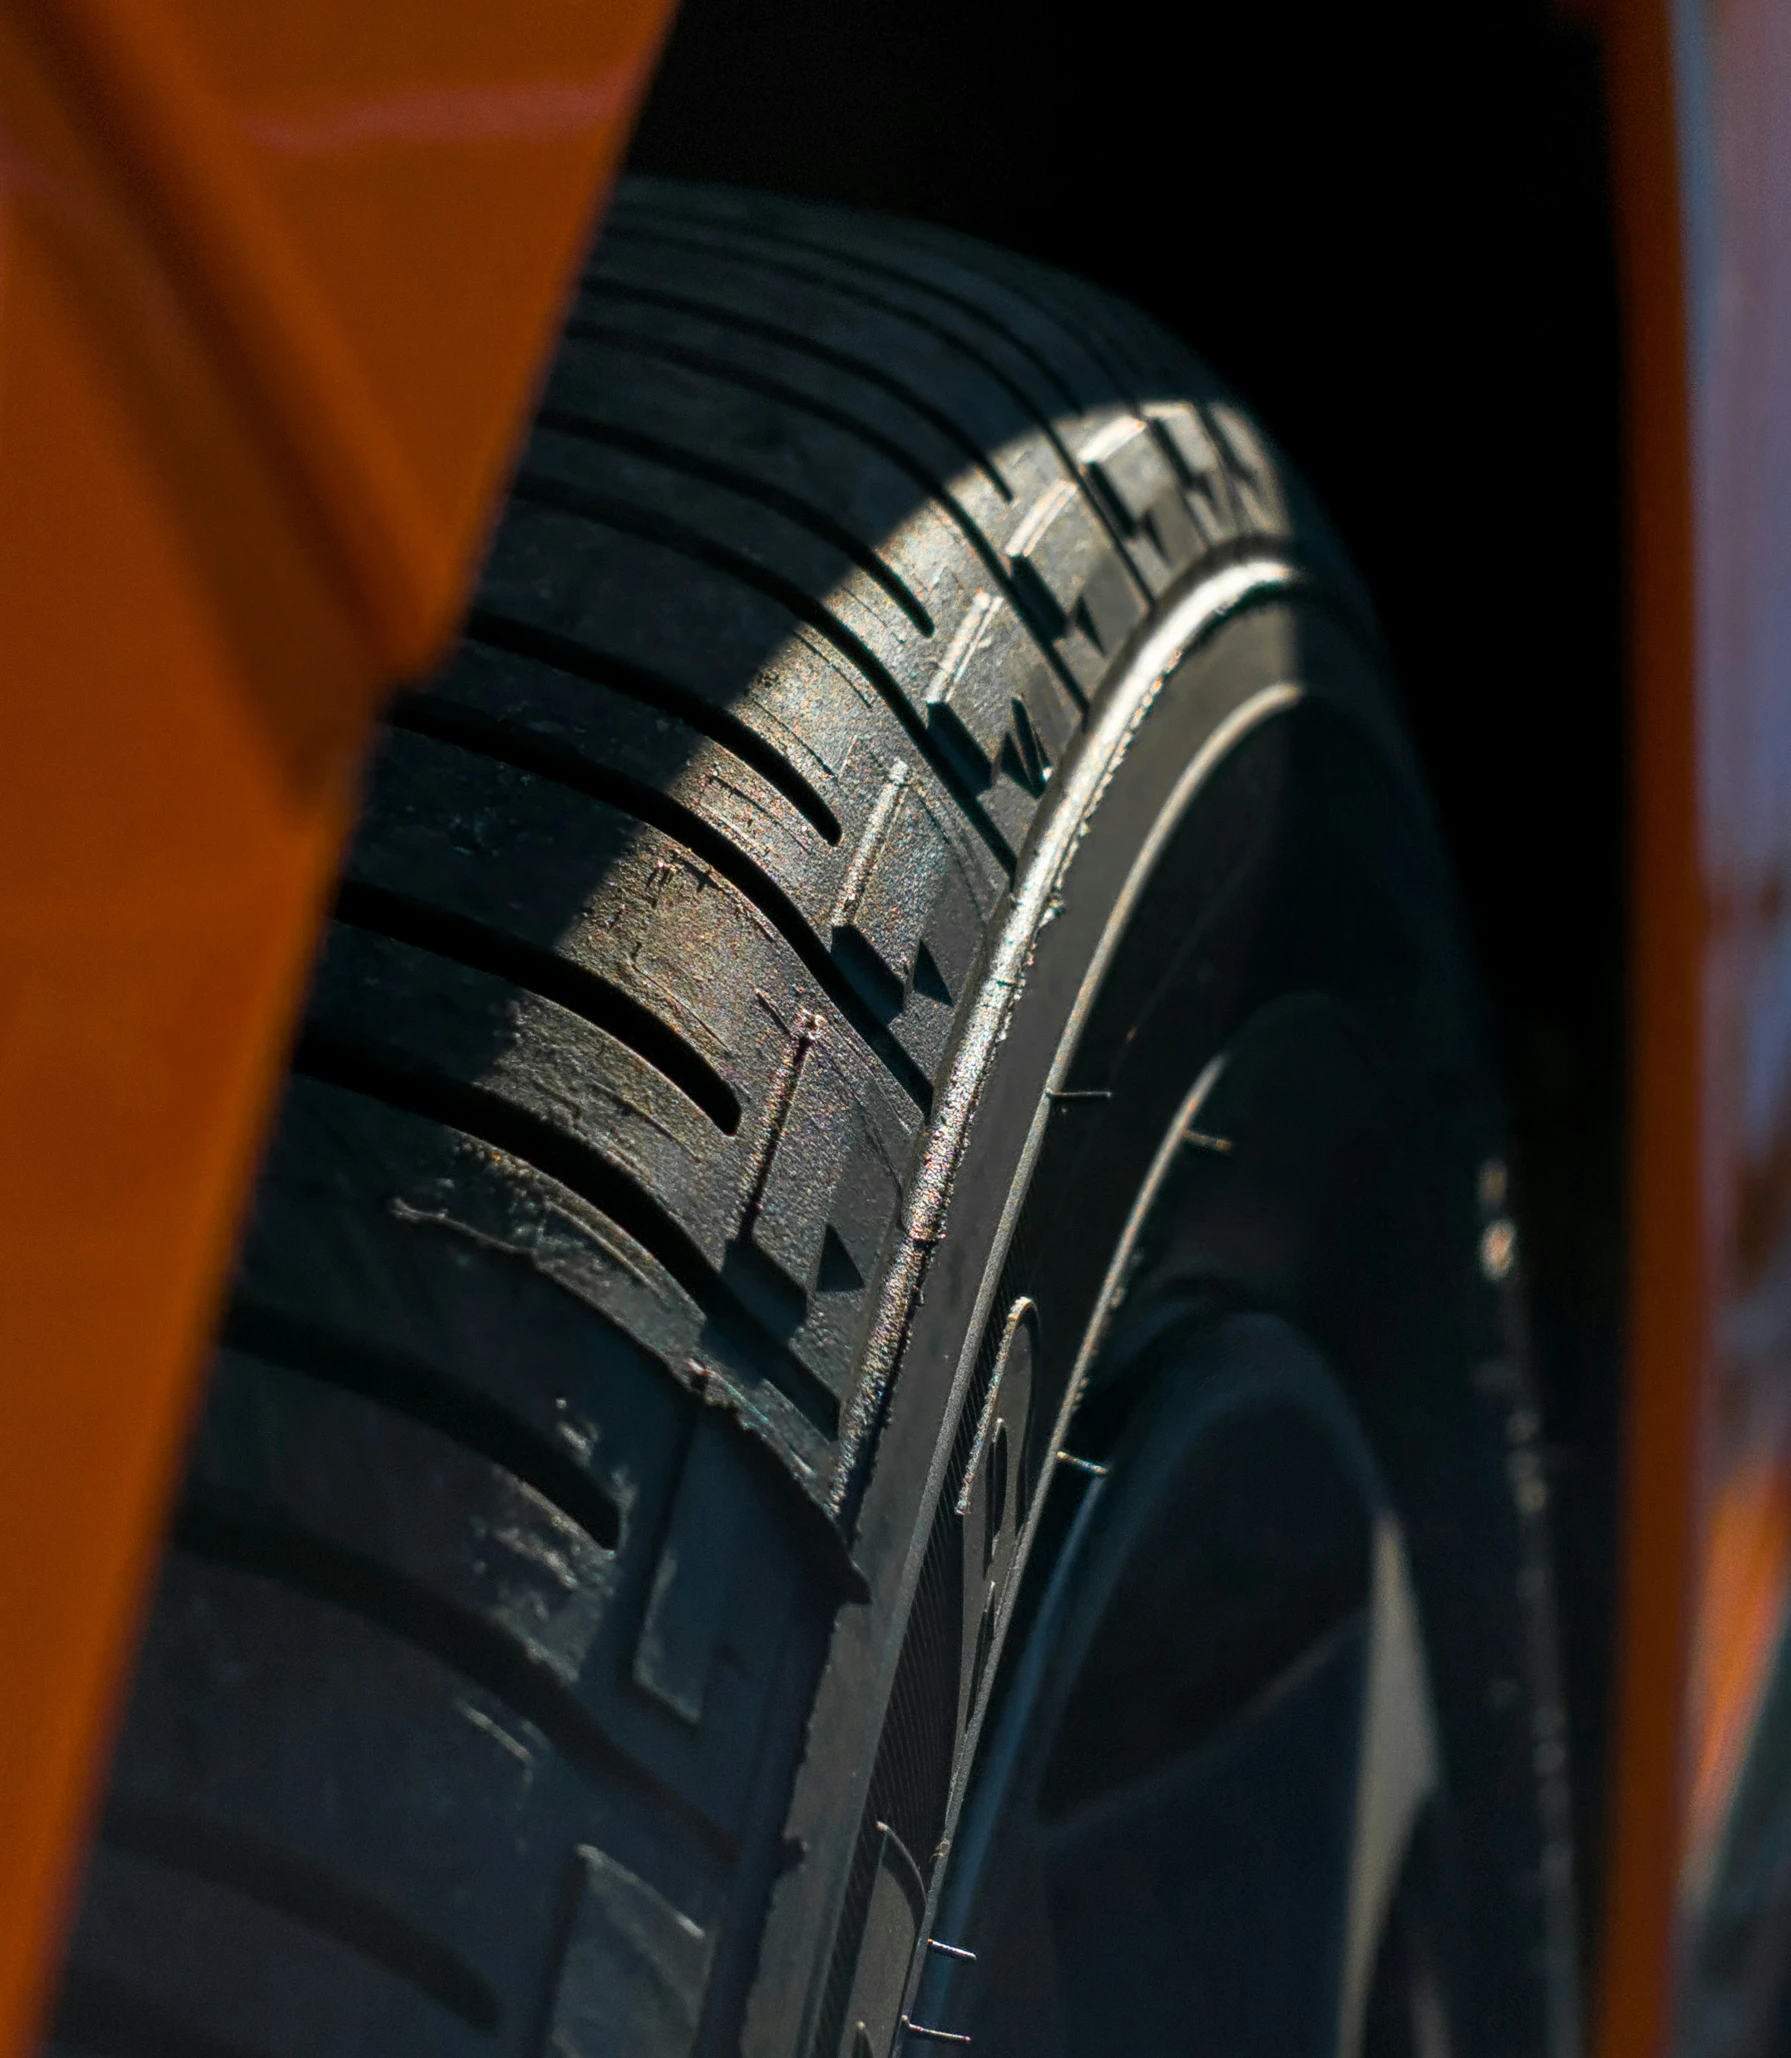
x=614 y=1297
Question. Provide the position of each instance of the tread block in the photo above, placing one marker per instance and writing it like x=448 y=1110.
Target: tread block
x=640 y=604
x=634 y=1970
x=1206 y=475
x=712 y=1520
x=619 y=729
x=630 y=602
x=365 y=1478
x=988 y=423
x=382 y=1233
x=159 y=1950
x=804 y=1154
x=878 y=412
x=1001 y=711
x=896 y=870
x=793 y=460
x=826 y=1197
x=822 y=1181
x=430 y=1018
x=453 y=1261
x=843 y=596
x=625 y=902
x=466 y=1261
x=1074 y=581
x=907 y=921
x=421 y=1696
x=271 y=1716
x=758 y=541
x=1130 y=470
x=1252 y=469
x=898 y=279
x=940 y=550
x=959 y=702
x=1049 y=360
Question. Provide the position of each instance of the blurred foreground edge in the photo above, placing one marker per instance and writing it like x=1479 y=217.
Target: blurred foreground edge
x=275 y=288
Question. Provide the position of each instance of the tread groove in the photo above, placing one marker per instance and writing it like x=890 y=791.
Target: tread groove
x=475 y=1112
x=446 y=721
x=231 y=1530
x=982 y=316
x=1088 y=335
x=305 y=1893
x=721 y=369
x=784 y=238
x=381 y=912
x=418 y=1391
x=1087 y=338
x=808 y=346
x=807 y=276
x=523 y=639
x=804 y=514
x=1016 y=393
x=649 y=527
x=1106 y=347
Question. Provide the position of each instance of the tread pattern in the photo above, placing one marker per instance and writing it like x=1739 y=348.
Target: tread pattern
x=455 y=1730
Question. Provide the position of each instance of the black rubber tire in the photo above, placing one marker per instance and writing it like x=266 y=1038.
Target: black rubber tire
x=725 y=1024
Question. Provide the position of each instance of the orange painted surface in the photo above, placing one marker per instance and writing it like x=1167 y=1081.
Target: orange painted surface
x=1739 y=1600
x=1737 y=99
x=1669 y=1291
x=275 y=282
x=1702 y=130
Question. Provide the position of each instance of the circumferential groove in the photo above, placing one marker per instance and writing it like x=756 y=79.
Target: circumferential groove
x=630 y=520
x=1040 y=418
x=858 y=260
x=802 y=513
x=727 y=372
x=445 y=934
x=1084 y=334
x=476 y=1112
x=232 y=1530
x=545 y=757
x=751 y=381
x=808 y=346
x=828 y=253
x=1048 y=429
x=543 y=646
x=419 y=1392
x=1106 y=346
x=305 y=1893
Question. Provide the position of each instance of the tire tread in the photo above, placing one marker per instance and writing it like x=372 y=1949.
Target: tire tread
x=669 y=897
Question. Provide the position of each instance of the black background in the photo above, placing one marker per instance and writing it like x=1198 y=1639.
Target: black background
x=1388 y=226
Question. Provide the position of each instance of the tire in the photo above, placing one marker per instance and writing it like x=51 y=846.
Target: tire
x=906 y=941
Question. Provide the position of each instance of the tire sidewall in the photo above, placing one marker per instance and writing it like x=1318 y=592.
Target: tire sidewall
x=1472 y=1564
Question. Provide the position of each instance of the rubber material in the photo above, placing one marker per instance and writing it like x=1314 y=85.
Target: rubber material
x=566 y=1484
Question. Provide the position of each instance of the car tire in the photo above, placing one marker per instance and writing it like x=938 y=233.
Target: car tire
x=903 y=962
